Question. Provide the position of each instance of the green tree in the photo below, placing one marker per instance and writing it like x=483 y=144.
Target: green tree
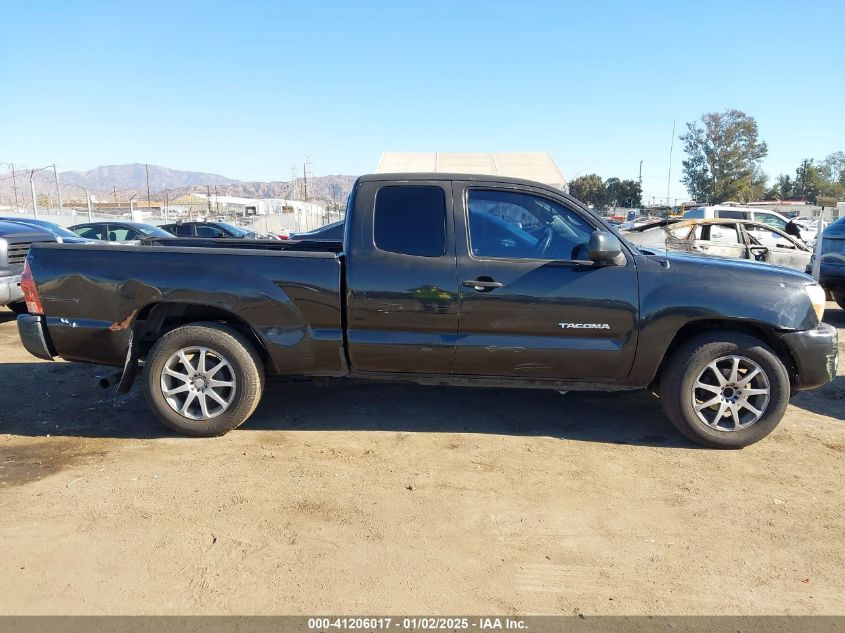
x=612 y=190
x=630 y=194
x=589 y=189
x=724 y=156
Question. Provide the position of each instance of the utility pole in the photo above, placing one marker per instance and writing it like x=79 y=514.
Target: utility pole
x=114 y=193
x=304 y=183
x=32 y=191
x=208 y=190
x=88 y=200
x=147 y=172
x=15 y=186
x=641 y=174
x=166 y=203
x=216 y=200
x=58 y=189
x=131 y=207
x=804 y=180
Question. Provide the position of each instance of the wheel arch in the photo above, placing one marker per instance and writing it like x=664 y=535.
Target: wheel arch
x=761 y=331
x=157 y=318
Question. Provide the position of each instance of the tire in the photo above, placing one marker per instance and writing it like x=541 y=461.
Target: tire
x=18 y=307
x=204 y=415
x=839 y=298
x=693 y=363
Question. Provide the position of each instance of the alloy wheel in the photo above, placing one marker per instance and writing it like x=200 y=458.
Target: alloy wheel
x=731 y=393
x=198 y=383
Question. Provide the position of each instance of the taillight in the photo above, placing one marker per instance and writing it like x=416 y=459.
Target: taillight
x=30 y=292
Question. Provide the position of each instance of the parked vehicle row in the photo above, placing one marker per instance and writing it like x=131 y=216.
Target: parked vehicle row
x=440 y=279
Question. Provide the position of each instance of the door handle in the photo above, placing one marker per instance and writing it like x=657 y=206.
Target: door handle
x=483 y=284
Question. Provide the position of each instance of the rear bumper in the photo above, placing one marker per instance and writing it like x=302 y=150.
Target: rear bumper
x=816 y=354
x=34 y=336
x=10 y=289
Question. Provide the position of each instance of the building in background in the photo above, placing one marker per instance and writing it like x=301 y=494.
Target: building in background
x=538 y=166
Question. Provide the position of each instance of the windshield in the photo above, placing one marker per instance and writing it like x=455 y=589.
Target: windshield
x=234 y=230
x=152 y=231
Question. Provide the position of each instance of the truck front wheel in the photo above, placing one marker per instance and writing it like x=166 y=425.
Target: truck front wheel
x=203 y=379
x=724 y=389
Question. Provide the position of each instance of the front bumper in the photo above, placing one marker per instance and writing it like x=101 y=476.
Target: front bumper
x=10 y=289
x=832 y=276
x=34 y=336
x=816 y=354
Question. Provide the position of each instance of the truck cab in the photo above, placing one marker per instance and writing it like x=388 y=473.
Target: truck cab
x=444 y=277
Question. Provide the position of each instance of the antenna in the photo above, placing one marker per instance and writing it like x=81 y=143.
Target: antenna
x=669 y=179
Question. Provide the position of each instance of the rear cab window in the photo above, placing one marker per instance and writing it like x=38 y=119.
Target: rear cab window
x=410 y=220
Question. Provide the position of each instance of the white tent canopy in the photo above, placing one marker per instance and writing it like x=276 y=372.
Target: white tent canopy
x=539 y=166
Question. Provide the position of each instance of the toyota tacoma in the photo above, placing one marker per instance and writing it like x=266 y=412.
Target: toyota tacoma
x=441 y=279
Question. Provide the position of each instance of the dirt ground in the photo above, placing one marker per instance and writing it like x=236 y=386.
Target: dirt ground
x=387 y=499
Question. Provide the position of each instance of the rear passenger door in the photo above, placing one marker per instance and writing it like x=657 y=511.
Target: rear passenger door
x=719 y=240
x=402 y=304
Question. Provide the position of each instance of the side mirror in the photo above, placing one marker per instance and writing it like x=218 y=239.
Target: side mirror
x=606 y=249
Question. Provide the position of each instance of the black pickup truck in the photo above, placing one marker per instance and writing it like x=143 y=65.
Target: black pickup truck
x=445 y=280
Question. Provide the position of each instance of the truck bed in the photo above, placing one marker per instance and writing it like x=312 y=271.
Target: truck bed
x=287 y=295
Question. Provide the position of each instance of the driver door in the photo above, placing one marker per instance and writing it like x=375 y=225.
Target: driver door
x=530 y=307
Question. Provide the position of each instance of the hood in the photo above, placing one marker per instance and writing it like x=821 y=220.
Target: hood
x=729 y=270
x=835 y=230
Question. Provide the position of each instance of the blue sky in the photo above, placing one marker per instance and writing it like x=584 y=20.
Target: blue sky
x=246 y=89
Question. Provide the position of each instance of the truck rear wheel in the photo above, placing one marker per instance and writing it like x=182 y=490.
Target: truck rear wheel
x=839 y=298
x=203 y=379
x=724 y=390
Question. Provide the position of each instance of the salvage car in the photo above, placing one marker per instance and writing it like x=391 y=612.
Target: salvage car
x=763 y=216
x=736 y=239
x=441 y=279
x=15 y=240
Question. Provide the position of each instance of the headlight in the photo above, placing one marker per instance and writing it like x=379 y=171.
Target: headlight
x=817 y=298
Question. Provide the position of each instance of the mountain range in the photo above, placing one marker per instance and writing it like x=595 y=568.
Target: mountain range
x=121 y=181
